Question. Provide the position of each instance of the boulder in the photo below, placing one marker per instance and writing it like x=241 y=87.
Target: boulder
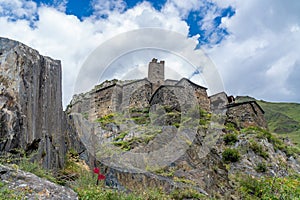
x=29 y=186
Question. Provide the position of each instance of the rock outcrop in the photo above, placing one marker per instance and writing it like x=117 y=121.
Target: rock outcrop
x=25 y=185
x=30 y=104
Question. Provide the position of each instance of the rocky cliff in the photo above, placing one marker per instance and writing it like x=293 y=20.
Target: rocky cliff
x=30 y=104
x=198 y=150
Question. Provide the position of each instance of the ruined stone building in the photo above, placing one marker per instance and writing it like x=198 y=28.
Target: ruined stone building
x=121 y=96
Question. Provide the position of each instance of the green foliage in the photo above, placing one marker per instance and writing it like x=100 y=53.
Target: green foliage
x=142 y=119
x=258 y=149
x=87 y=189
x=196 y=117
x=124 y=145
x=230 y=138
x=292 y=151
x=230 y=155
x=283 y=118
x=277 y=142
x=7 y=193
x=205 y=118
x=270 y=187
x=187 y=193
x=35 y=168
x=127 y=145
x=184 y=180
x=261 y=167
x=230 y=126
x=163 y=172
x=121 y=136
x=140 y=115
x=106 y=119
x=85 y=115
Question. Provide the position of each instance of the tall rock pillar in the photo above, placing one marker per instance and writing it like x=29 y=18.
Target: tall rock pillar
x=31 y=104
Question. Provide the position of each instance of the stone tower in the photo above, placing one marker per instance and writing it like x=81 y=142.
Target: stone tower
x=156 y=73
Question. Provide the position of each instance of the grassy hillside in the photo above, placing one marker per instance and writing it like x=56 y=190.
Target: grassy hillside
x=282 y=118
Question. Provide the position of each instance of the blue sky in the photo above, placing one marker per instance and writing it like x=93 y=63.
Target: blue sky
x=253 y=44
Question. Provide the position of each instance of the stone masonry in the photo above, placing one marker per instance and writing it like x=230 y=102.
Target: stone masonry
x=122 y=96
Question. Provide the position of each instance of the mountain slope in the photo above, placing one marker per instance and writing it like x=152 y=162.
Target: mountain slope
x=282 y=118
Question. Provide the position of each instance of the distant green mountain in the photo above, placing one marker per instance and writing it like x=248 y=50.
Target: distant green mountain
x=282 y=118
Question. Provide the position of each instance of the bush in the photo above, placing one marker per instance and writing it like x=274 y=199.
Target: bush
x=231 y=155
x=258 y=149
x=261 y=167
x=230 y=139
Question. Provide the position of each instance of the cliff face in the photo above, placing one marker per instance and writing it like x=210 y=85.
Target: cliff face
x=30 y=104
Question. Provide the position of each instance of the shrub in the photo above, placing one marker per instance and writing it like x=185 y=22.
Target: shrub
x=230 y=139
x=258 y=149
x=261 y=167
x=231 y=155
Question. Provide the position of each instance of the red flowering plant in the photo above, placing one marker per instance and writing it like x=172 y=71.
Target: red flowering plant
x=100 y=176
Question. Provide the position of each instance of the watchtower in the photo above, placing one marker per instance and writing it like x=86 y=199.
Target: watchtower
x=156 y=73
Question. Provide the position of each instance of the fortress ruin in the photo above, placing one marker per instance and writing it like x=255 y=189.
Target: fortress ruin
x=121 y=96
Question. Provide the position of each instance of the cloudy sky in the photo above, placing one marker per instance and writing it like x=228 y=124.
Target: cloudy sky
x=254 y=45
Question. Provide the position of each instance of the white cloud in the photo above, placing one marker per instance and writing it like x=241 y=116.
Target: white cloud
x=65 y=37
x=105 y=8
x=16 y=9
x=260 y=55
x=262 y=51
x=181 y=8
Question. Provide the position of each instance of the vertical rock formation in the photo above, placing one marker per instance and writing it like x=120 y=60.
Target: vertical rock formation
x=30 y=104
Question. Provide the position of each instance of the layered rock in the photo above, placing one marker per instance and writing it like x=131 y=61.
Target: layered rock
x=31 y=104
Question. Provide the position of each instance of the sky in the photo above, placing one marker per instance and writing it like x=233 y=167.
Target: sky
x=252 y=46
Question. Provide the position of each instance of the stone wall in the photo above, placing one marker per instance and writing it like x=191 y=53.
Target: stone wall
x=103 y=101
x=246 y=114
x=218 y=103
x=31 y=104
x=195 y=94
x=168 y=96
x=130 y=90
x=140 y=98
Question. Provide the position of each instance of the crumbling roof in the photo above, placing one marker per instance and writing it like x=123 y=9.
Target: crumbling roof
x=192 y=83
x=246 y=102
x=217 y=94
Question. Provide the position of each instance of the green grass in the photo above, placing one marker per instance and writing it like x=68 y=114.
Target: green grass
x=7 y=193
x=282 y=118
x=269 y=187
